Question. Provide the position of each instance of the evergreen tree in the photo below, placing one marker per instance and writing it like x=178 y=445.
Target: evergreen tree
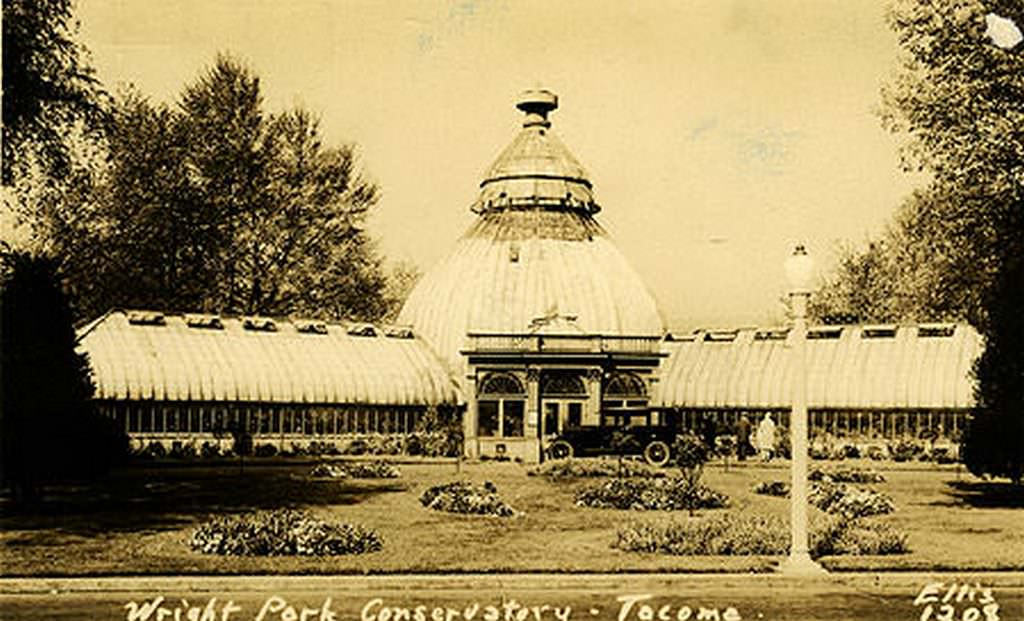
x=51 y=429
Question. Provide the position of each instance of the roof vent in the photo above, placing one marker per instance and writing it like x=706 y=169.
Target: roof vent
x=208 y=322
x=537 y=104
x=311 y=327
x=935 y=330
x=399 y=332
x=721 y=336
x=776 y=334
x=259 y=324
x=816 y=334
x=146 y=318
x=362 y=329
x=878 y=332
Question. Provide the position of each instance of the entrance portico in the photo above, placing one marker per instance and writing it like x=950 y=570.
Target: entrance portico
x=526 y=388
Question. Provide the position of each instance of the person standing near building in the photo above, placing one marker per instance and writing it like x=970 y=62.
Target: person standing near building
x=766 y=437
x=743 y=428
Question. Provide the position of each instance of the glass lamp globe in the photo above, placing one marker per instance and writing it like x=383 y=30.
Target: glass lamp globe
x=799 y=269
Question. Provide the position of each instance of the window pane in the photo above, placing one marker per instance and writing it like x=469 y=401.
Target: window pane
x=551 y=418
x=514 y=417
x=575 y=418
x=487 y=418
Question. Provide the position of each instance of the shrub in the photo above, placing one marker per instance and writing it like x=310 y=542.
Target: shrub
x=324 y=470
x=836 y=498
x=666 y=494
x=372 y=470
x=772 y=488
x=209 y=450
x=155 y=450
x=877 y=452
x=356 y=447
x=845 y=475
x=183 y=451
x=464 y=497
x=818 y=453
x=905 y=450
x=690 y=451
x=839 y=535
x=740 y=535
x=282 y=532
x=265 y=450
x=580 y=468
x=849 y=502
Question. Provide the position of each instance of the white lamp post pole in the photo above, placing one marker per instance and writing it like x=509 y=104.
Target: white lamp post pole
x=799 y=268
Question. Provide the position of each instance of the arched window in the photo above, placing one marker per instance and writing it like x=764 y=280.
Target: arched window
x=624 y=402
x=501 y=384
x=501 y=407
x=562 y=384
x=625 y=386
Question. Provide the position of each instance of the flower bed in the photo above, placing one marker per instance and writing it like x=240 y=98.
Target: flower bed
x=372 y=470
x=324 y=470
x=772 y=488
x=357 y=470
x=667 y=494
x=580 y=468
x=282 y=532
x=465 y=497
x=845 y=475
x=849 y=502
x=836 y=498
x=737 y=535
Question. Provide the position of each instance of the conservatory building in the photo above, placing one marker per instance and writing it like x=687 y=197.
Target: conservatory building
x=533 y=323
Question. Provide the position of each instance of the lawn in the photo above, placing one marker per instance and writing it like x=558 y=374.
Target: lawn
x=140 y=522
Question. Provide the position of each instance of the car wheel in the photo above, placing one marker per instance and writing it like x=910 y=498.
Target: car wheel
x=657 y=453
x=560 y=449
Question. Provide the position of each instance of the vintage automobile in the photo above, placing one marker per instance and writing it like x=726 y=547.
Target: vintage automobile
x=654 y=443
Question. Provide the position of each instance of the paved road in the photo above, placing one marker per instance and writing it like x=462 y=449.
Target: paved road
x=528 y=597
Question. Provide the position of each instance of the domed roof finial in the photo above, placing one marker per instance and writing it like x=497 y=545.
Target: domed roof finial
x=537 y=103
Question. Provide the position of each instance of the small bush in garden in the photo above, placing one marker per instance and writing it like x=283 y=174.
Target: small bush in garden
x=324 y=470
x=772 y=488
x=818 y=453
x=836 y=498
x=356 y=447
x=283 y=532
x=209 y=450
x=741 y=535
x=840 y=535
x=905 y=450
x=690 y=451
x=265 y=450
x=464 y=497
x=876 y=453
x=185 y=450
x=155 y=450
x=850 y=502
x=845 y=475
x=372 y=470
x=667 y=494
x=580 y=468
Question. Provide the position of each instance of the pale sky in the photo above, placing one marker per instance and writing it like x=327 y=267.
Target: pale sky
x=716 y=133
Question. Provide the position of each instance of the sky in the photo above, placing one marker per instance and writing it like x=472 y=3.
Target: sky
x=717 y=133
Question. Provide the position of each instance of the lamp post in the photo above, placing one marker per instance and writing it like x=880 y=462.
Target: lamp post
x=799 y=269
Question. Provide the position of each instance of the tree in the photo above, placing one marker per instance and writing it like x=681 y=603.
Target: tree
x=219 y=206
x=51 y=429
x=954 y=248
x=994 y=442
x=47 y=86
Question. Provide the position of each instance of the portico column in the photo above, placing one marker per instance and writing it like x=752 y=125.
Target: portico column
x=592 y=415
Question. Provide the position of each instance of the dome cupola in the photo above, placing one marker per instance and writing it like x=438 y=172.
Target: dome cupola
x=536 y=170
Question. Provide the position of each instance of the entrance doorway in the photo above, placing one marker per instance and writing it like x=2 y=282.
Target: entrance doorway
x=560 y=414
